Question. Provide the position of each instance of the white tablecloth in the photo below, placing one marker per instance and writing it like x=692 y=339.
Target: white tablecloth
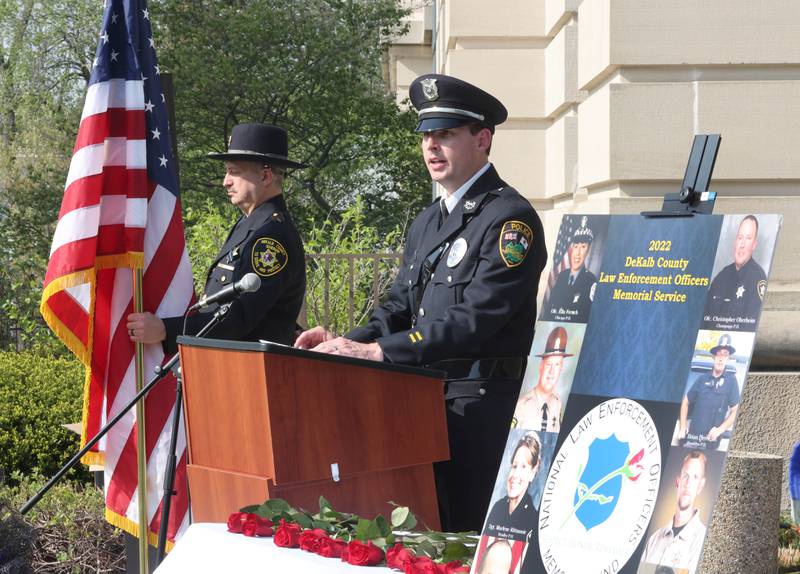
x=211 y=548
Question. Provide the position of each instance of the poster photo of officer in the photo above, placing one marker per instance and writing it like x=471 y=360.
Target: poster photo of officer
x=513 y=507
x=548 y=376
x=678 y=527
x=741 y=267
x=576 y=264
x=710 y=403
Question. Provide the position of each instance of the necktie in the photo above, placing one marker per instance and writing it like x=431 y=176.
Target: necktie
x=544 y=417
x=443 y=212
x=571 y=280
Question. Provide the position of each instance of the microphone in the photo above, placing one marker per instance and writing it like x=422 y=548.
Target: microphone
x=247 y=284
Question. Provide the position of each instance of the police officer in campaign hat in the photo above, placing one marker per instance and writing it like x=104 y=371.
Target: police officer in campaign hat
x=540 y=408
x=464 y=300
x=572 y=295
x=264 y=241
x=709 y=408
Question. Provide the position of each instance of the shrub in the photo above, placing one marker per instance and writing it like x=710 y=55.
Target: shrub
x=38 y=395
x=72 y=535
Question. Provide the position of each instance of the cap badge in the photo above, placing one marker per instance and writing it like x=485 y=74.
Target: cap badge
x=429 y=89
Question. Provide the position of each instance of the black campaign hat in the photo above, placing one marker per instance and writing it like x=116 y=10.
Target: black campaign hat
x=260 y=143
x=723 y=343
x=445 y=102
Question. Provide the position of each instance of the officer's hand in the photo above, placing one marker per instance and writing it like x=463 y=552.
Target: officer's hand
x=146 y=328
x=347 y=348
x=714 y=433
x=683 y=431
x=313 y=337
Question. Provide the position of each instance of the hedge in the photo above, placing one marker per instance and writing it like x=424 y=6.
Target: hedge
x=37 y=396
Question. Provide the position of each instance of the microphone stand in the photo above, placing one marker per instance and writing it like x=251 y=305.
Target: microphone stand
x=161 y=372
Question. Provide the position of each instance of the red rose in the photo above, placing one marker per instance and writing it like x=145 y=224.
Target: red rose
x=236 y=522
x=421 y=565
x=453 y=567
x=398 y=556
x=257 y=526
x=360 y=554
x=287 y=534
x=309 y=539
x=330 y=547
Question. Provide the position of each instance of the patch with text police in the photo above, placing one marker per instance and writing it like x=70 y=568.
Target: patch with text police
x=269 y=257
x=515 y=241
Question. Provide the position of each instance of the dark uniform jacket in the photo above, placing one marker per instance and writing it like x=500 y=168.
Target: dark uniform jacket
x=737 y=293
x=515 y=526
x=709 y=400
x=480 y=300
x=572 y=302
x=266 y=243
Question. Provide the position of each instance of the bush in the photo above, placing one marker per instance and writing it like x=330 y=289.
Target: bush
x=38 y=395
x=72 y=535
x=16 y=538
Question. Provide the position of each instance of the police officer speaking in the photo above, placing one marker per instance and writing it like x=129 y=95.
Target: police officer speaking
x=264 y=241
x=464 y=300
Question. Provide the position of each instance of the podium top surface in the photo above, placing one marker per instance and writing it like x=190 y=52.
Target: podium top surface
x=278 y=349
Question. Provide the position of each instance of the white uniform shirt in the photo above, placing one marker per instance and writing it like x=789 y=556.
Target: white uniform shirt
x=681 y=551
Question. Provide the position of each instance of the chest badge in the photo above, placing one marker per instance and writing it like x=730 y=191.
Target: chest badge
x=457 y=252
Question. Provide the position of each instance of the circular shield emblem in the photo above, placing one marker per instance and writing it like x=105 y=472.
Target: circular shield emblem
x=457 y=252
x=601 y=489
x=269 y=257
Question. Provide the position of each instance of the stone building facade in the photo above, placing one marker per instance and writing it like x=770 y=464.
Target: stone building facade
x=604 y=99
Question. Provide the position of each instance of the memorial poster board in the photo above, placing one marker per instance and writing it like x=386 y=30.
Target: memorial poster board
x=618 y=443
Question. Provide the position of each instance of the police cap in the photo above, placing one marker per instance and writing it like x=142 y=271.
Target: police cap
x=445 y=102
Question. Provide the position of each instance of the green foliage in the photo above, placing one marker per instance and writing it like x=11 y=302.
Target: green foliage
x=341 y=291
x=72 y=536
x=39 y=394
x=312 y=66
x=207 y=227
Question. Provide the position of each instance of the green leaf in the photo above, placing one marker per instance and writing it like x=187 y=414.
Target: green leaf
x=383 y=525
x=455 y=551
x=399 y=516
x=304 y=520
x=367 y=530
x=277 y=505
x=324 y=505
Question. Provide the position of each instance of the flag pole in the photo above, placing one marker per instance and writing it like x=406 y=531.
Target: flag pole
x=141 y=447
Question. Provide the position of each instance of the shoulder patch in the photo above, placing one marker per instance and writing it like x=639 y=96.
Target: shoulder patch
x=269 y=257
x=515 y=241
x=761 y=287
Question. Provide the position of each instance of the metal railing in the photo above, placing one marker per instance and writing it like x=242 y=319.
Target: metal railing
x=364 y=277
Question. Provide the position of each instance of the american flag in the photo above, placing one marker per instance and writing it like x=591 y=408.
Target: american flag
x=569 y=224
x=121 y=212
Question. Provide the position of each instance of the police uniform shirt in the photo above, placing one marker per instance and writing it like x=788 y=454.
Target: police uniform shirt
x=516 y=525
x=709 y=400
x=677 y=550
x=267 y=243
x=737 y=293
x=480 y=300
x=572 y=299
x=530 y=413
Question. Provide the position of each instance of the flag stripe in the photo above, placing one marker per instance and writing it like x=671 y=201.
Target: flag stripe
x=91 y=159
x=115 y=93
x=115 y=123
x=87 y=191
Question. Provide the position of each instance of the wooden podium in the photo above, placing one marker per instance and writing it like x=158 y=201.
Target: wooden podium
x=269 y=421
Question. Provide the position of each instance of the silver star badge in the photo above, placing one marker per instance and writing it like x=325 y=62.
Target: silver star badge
x=740 y=292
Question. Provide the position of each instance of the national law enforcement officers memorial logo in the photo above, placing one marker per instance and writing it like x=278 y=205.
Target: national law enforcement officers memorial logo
x=601 y=490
